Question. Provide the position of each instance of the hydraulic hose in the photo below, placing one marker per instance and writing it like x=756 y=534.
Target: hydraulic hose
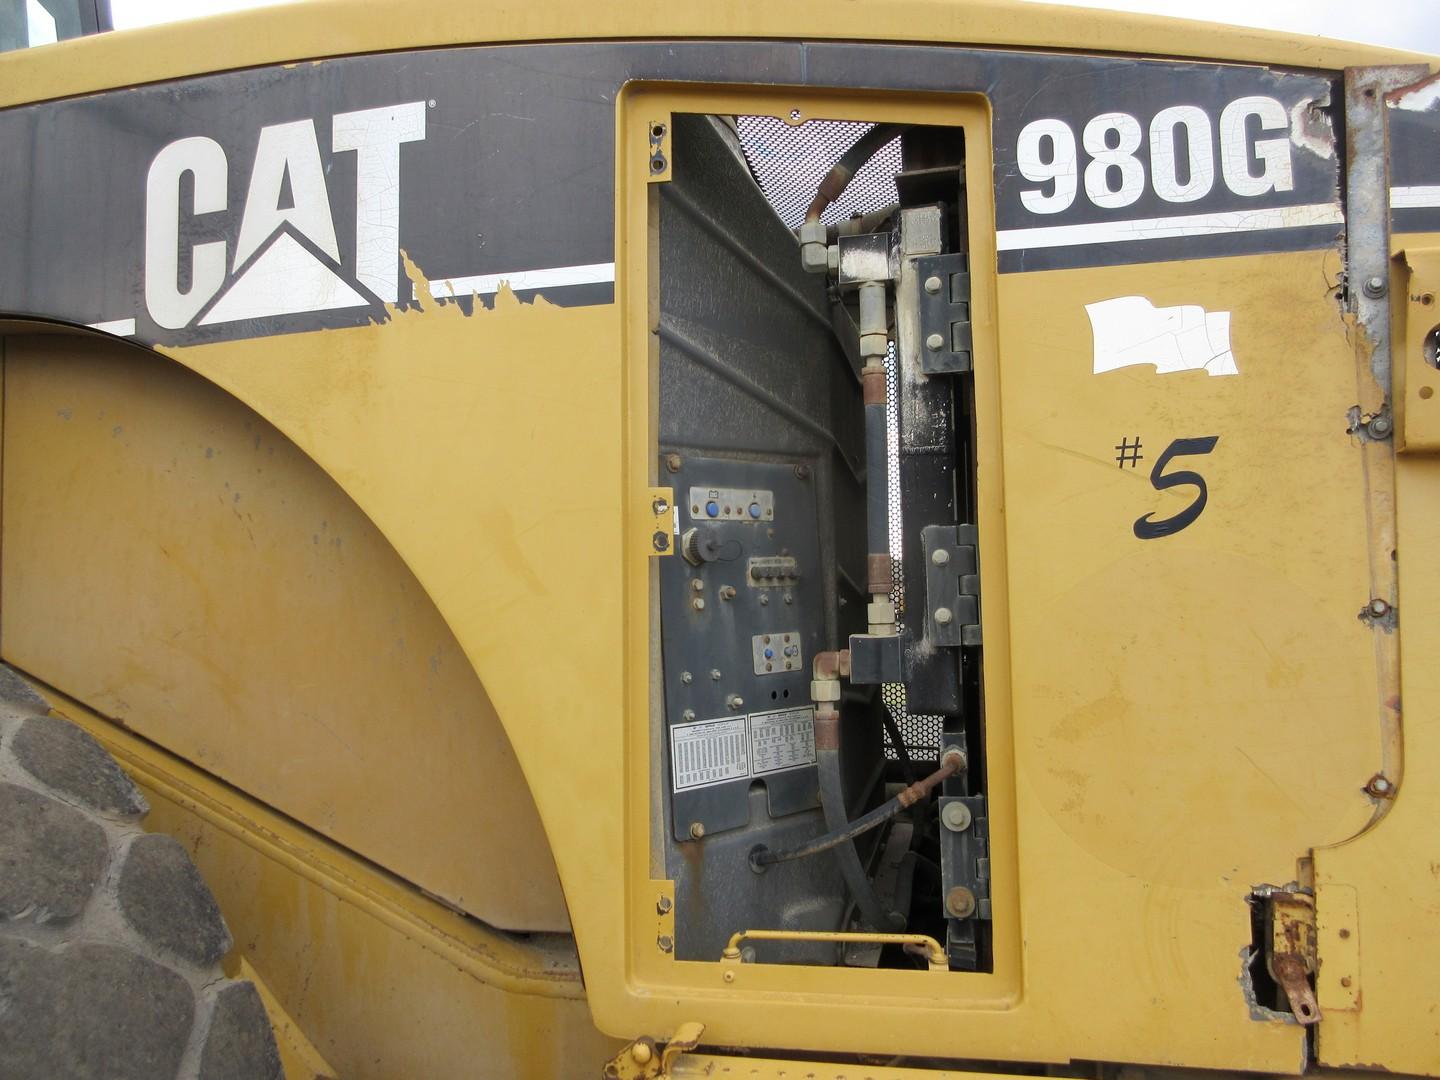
x=951 y=763
x=844 y=170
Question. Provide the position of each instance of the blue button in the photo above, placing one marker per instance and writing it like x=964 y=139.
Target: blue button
x=769 y=654
x=712 y=508
x=755 y=510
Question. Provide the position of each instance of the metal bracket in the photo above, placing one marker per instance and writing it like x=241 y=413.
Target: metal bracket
x=640 y=1060
x=944 y=301
x=952 y=584
x=1290 y=950
x=1416 y=368
x=661 y=533
x=658 y=167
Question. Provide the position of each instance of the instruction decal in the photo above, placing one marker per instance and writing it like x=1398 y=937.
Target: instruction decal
x=709 y=752
x=783 y=739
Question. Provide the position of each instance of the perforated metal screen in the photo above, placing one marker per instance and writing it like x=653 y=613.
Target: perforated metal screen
x=790 y=160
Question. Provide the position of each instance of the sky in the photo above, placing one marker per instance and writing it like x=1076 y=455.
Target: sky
x=1405 y=24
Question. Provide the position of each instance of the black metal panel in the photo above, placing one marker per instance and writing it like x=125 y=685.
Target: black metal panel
x=516 y=169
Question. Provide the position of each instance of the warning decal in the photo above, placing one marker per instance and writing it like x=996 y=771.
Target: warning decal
x=709 y=752
x=784 y=739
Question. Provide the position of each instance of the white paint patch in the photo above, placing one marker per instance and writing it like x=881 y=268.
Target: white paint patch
x=1129 y=330
x=1163 y=228
x=1420 y=99
x=118 y=327
x=1410 y=198
x=521 y=280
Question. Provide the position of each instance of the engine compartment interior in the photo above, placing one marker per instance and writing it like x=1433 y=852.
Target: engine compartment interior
x=822 y=789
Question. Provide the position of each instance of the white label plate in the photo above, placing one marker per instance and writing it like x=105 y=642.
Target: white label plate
x=783 y=739
x=709 y=752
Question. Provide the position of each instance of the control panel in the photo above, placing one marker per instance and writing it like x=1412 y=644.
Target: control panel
x=742 y=614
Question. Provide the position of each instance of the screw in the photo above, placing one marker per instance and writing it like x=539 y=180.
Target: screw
x=1374 y=287
x=663 y=905
x=932 y=284
x=1380 y=786
x=715 y=674
x=933 y=342
x=727 y=592
x=940 y=557
x=666 y=943
x=660 y=506
x=698 y=603
x=672 y=462
x=697 y=830
x=688 y=715
x=943 y=615
x=960 y=902
x=661 y=541
x=956 y=816
x=802 y=472
x=685 y=677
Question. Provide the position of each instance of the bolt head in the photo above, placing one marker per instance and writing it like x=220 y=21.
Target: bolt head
x=934 y=342
x=661 y=541
x=1378 y=607
x=956 y=816
x=665 y=943
x=697 y=830
x=960 y=902
x=940 y=557
x=672 y=462
x=698 y=603
x=1375 y=286
x=642 y=1052
x=932 y=284
x=685 y=676
x=715 y=674
x=1380 y=425
x=943 y=615
x=764 y=600
x=660 y=506
x=663 y=905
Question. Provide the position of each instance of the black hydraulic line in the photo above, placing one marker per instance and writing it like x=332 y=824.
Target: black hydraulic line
x=832 y=802
x=897 y=740
x=844 y=170
x=950 y=765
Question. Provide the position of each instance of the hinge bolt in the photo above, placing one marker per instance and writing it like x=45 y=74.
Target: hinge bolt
x=960 y=902
x=932 y=284
x=956 y=816
x=934 y=341
x=943 y=615
x=940 y=557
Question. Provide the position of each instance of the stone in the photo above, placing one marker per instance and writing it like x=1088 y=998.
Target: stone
x=19 y=694
x=164 y=898
x=51 y=856
x=90 y=1010
x=240 y=1044
x=69 y=760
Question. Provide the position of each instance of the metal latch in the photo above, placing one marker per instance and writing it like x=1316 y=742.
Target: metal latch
x=1290 y=950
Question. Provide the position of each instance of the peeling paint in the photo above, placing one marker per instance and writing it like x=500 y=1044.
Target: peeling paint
x=1311 y=127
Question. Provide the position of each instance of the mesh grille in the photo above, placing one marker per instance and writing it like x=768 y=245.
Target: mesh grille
x=921 y=734
x=789 y=161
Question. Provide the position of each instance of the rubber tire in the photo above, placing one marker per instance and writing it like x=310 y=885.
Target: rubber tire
x=110 y=941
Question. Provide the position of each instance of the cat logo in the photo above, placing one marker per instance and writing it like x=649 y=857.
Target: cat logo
x=285 y=259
